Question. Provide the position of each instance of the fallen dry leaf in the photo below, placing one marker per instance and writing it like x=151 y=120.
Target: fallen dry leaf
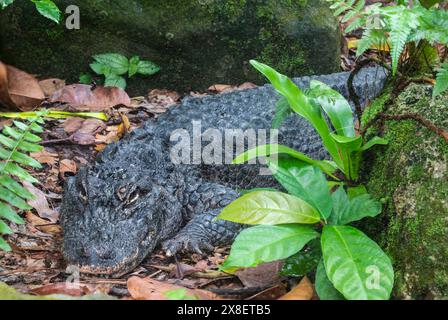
x=45 y=157
x=42 y=224
x=50 y=86
x=222 y=88
x=18 y=89
x=264 y=275
x=83 y=131
x=40 y=203
x=73 y=124
x=67 y=165
x=150 y=289
x=247 y=85
x=303 y=291
x=83 y=97
x=70 y=289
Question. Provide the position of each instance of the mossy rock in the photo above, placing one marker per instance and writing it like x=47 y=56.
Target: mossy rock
x=410 y=176
x=197 y=43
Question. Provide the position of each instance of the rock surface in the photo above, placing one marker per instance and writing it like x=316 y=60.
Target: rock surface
x=410 y=175
x=197 y=43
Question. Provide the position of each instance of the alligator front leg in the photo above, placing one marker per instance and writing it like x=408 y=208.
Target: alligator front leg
x=203 y=232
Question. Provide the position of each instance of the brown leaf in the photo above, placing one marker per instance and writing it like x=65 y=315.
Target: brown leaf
x=264 y=275
x=70 y=289
x=222 y=88
x=247 y=85
x=73 y=124
x=50 y=86
x=40 y=203
x=303 y=291
x=84 y=98
x=42 y=224
x=45 y=157
x=67 y=165
x=84 y=130
x=18 y=89
x=150 y=289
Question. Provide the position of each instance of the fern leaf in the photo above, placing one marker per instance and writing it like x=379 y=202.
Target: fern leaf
x=370 y=38
x=441 y=80
x=399 y=33
x=15 y=141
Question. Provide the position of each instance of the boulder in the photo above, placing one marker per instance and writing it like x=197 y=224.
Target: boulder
x=410 y=176
x=196 y=43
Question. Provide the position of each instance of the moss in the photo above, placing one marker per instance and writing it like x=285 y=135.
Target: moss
x=410 y=175
x=197 y=43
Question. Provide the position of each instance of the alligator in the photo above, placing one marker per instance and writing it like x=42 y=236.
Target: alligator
x=135 y=197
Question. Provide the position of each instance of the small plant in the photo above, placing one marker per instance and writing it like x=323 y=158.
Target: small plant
x=406 y=27
x=113 y=66
x=17 y=140
x=46 y=8
x=179 y=294
x=349 y=264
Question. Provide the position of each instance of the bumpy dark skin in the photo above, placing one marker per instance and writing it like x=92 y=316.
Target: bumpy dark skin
x=117 y=211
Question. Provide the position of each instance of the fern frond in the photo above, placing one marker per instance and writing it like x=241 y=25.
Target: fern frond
x=372 y=38
x=441 y=80
x=15 y=142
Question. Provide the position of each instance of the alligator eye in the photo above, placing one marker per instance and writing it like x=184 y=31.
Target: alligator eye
x=83 y=193
x=133 y=196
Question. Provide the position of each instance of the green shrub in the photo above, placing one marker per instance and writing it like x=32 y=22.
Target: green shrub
x=46 y=8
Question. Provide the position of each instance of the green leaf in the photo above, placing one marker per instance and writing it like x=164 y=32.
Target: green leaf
x=179 y=294
x=304 y=181
x=441 y=81
x=375 y=141
x=269 y=208
x=48 y=9
x=243 y=192
x=349 y=152
x=101 y=69
x=324 y=288
x=283 y=110
x=335 y=106
x=347 y=210
x=274 y=149
x=14 y=169
x=133 y=66
x=13 y=199
x=4 y=245
x=15 y=187
x=354 y=192
x=118 y=63
x=4 y=228
x=147 y=68
x=303 y=262
x=261 y=244
x=85 y=78
x=9 y=214
x=301 y=105
x=5 y=3
x=355 y=264
x=115 y=81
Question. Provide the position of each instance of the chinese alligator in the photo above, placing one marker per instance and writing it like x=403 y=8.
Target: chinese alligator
x=134 y=197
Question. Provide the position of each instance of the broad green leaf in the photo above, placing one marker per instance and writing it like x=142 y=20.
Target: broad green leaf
x=261 y=244
x=13 y=199
x=5 y=3
x=299 y=102
x=375 y=141
x=115 y=81
x=274 y=149
x=304 y=181
x=348 y=150
x=9 y=214
x=48 y=9
x=100 y=68
x=4 y=245
x=118 y=63
x=324 y=288
x=85 y=78
x=15 y=187
x=335 y=106
x=355 y=264
x=133 y=66
x=347 y=210
x=303 y=262
x=354 y=192
x=243 y=192
x=269 y=208
x=147 y=68
x=4 y=228
x=283 y=110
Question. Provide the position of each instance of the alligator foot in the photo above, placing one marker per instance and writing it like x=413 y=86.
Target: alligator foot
x=202 y=234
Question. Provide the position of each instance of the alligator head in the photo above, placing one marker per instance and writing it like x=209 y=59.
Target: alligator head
x=112 y=217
